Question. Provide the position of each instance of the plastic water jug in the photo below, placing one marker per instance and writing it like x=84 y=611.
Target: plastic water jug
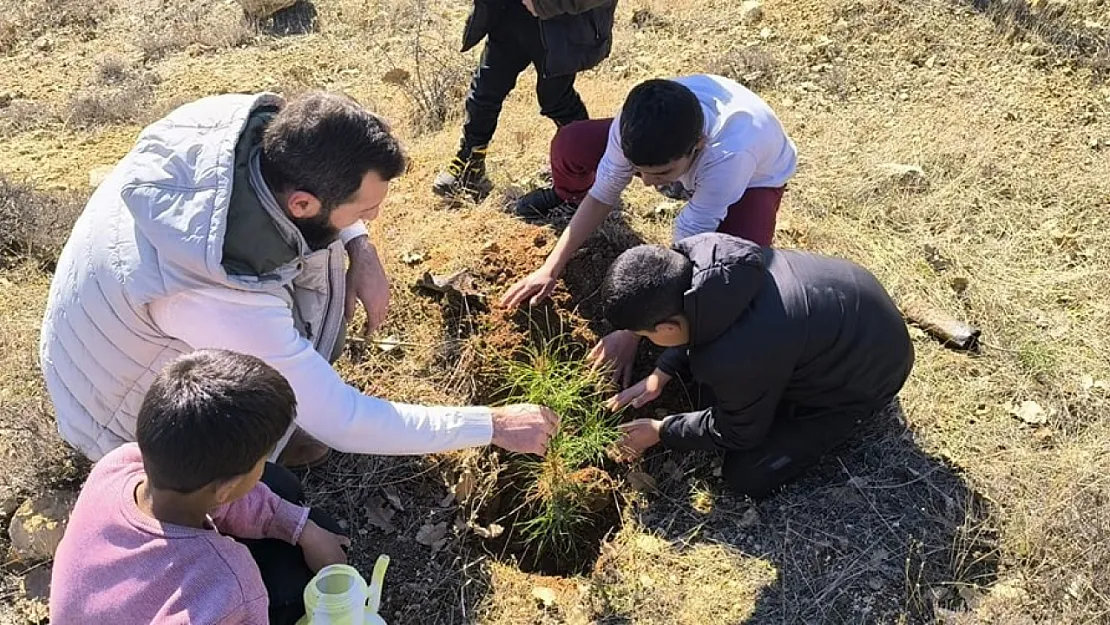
x=338 y=595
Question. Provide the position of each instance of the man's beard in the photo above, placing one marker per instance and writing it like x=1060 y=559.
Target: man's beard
x=317 y=230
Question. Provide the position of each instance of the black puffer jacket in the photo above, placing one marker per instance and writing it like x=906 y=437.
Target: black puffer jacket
x=775 y=327
x=577 y=34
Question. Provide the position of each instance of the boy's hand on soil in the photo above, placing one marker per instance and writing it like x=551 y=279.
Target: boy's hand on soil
x=538 y=286
x=641 y=393
x=616 y=352
x=637 y=437
x=524 y=428
x=322 y=548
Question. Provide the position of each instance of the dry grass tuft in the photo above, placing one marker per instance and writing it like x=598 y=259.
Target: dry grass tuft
x=196 y=27
x=644 y=578
x=117 y=93
x=23 y=22
x=33 y=224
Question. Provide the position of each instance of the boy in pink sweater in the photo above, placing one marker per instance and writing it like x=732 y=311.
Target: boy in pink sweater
x=149 y=540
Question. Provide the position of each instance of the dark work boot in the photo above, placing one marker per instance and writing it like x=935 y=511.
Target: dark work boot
x=465 y=176
x=538 y=203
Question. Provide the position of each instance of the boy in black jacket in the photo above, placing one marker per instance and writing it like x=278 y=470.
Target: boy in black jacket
x=796 y=348
x=559 y=37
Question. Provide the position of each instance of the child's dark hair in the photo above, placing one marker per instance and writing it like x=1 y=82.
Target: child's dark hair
x=209 y=416
x=661 y=122
x=645 y=286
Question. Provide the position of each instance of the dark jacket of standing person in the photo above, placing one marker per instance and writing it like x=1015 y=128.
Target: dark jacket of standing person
x=577 y=34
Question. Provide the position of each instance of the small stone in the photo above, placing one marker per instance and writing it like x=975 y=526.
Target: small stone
x=840 y=26
x=1030 y=412
x=36 y=583
x=6 y=99
x=751 y=11
x=749 y=519
x=43 y=44
x=875 y=583
x=491 y=247
x=39 y=523
x=1009 y=590
x=260 y=9
x=544 y=596
x=766 y=33
x=98 y=174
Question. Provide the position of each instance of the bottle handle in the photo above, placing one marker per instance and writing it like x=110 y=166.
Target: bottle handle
x=377 y=578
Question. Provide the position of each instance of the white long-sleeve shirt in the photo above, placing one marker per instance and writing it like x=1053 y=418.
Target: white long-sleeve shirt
x=332 y=411
x=746 y=147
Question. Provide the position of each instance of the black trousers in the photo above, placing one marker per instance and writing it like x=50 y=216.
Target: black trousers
x=511 y=46
x=282 y=565
x=798 y=439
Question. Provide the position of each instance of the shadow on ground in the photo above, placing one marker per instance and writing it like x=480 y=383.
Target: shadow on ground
x=299 y=19
x=878 y=532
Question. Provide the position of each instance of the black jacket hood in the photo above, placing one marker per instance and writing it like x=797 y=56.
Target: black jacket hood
x=728 y=274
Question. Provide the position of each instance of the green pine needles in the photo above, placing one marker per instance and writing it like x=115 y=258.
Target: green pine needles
x=565 y=491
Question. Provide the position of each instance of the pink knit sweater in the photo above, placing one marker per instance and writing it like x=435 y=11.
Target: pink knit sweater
x=118 y=566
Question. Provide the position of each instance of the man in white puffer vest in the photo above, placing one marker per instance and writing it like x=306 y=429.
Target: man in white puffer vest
x=226 y=227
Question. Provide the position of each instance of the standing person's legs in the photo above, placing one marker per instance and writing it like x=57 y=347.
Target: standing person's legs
x=754 y=216
x=559 y=100
x=501 y=63
x=496 y=75
x=282 y=565
x=796 y=442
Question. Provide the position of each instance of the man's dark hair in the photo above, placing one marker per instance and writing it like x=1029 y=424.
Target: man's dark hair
x=324 y=143
x=661 y=122
x=645 y=286
x=209 y=416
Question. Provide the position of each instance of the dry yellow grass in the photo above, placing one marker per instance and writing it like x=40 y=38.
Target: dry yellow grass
x=962 y=513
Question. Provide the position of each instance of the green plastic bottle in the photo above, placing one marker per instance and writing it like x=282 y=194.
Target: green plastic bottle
x=338 y=595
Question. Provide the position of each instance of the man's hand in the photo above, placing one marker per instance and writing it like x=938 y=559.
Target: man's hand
x=637 y=437
x=530 y=5
x=524 y=428
x=322 y=548
x=640 y=394
x=538 y=286
x=366 y=282
x=616 y=352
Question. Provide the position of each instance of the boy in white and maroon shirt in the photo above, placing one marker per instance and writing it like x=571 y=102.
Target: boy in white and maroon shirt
x=703 y=138
x=150 y=538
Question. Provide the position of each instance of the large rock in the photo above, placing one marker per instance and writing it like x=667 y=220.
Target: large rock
x=264 y=8
x=38 y=525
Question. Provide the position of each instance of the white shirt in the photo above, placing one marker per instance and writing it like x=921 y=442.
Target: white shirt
x=746 y=147
x=332 y=411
